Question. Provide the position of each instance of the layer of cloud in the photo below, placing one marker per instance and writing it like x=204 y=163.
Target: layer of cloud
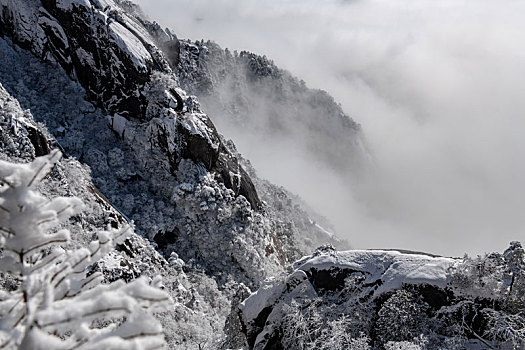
x=438 y=87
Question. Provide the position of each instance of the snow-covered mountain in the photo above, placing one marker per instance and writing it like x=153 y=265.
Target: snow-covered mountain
x=250 y=92
x=116 y=94
x=380 y=299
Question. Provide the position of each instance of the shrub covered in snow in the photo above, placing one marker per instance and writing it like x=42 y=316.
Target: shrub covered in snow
x=59 y=303
x=498 y=282
x=307 y=325
x=402 y=317
x=391 y=300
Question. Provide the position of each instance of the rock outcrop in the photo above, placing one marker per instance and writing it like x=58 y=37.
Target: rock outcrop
x=339 y=281
x=376 y=299
x=102 y=84
x=113 y=57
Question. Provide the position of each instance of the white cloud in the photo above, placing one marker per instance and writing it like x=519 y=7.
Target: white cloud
x=439 y=88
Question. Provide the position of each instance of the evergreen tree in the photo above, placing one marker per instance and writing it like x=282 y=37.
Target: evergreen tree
x=59 y=304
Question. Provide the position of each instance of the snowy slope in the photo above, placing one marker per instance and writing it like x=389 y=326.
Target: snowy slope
x=197 y=296
x=93 y=75
x=113 y=91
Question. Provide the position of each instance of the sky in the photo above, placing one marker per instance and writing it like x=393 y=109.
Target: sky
x=438 y=87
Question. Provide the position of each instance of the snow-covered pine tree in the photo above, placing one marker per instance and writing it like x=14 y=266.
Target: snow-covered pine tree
x=58 y=304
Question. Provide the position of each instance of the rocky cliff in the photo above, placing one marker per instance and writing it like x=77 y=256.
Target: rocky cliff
x=101 y=84
x=251 y=95
x=115 y=93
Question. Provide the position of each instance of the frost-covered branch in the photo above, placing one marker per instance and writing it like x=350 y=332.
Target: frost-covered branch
x=57 y=305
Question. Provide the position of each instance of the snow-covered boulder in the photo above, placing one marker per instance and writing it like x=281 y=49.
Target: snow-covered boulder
x=384 y=270
x=377 y=299
x=339 y=281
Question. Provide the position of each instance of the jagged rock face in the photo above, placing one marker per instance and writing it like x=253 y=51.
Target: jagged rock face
x=39 y=141
x=113 y=56
x=107 y=58
x=201 y=309
x=249 y=92
x=103 y=48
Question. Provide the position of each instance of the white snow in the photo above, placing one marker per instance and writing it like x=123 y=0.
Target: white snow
x=391 y=267
x=111 y=260
x=130 y=44
x=266 y=295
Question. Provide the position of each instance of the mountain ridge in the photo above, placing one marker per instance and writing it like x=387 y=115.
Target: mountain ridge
x=162 y=164
x=113 y=91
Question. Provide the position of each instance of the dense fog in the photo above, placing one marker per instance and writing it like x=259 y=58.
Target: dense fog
x=438 y=88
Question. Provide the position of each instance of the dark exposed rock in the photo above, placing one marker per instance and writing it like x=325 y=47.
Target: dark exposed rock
x=235 y=177
x=163 y=239
x=108 y=73
x=39 y=141
x=207 y=150
x=196 y=147
x=92 y=45
x=127 y=247
x=78 y=38
x=57 y=42
x=233 y=327
x=432 y=295
x=274 y=342
x=331 y=279
x=180 y=103
x=258 y=325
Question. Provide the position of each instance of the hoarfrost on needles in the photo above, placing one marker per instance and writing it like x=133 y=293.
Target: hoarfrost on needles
x=58 y=303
